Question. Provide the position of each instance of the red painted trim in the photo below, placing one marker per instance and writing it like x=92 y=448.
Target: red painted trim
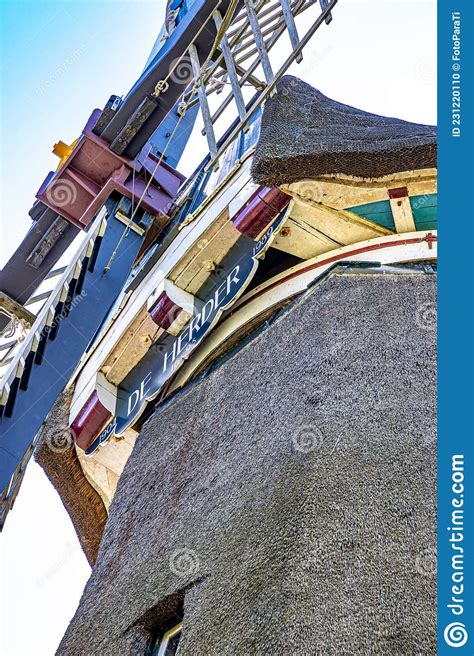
x=164 y=312
x=398 y=192
x=90 y=420
x=92 y=172
x=260 y=210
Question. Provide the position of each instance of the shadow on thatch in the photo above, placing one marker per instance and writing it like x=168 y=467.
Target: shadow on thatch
x=57 y=456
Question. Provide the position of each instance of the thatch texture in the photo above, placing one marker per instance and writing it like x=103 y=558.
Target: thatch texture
x=56 y=454
x=304 y=134
x=289 y=496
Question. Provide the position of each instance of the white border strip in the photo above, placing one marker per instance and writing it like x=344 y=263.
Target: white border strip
x=388 y=250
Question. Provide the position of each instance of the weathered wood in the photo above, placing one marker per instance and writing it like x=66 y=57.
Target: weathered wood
x=272 y=83
x=134 y=123
x=232 y=73
x=312 y=229
x=15 y=309
x=291 y=26
x=123 y=335
x=33 y=404
x=402 y=214
x=247 y=75
x=324 y=5
x=105 y=466
x=42 y=249
x=206 y=113
x=342 y=191
x=107 y=113
x=259 y=42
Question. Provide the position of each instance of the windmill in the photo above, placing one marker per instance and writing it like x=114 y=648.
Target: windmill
x=117 y=185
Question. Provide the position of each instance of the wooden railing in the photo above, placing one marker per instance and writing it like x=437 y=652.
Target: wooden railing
x=242 y=46
x=56 y=308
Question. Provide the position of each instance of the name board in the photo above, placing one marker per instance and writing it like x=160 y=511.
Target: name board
x=164 y=358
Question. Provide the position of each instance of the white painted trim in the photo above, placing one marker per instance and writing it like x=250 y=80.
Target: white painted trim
x=183 y=299
x=272 y=292
x=167 y=636
x=106 y=392
x=46 y=314
x=93 y=360
x=402 y=214
x=81 y=397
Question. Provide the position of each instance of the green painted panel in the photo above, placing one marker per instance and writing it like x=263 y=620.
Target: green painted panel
x=379 y=212
x=425 y=211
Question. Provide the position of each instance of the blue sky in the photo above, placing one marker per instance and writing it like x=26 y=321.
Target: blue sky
x=59 y=61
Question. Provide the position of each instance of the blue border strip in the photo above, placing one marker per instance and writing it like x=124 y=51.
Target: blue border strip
x=456 y=329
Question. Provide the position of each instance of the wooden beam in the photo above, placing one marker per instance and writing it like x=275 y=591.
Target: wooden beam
x=247 y=75
x=324 y=6
x=229 y=62
x=13 y=308
x=206 y=114
x=271 y=85
x=402 y=214
x=291 y=25
x=259 y=42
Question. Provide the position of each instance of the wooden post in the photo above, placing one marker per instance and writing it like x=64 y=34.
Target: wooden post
x=229 y=62
x=259 y=42
x=206 y=114
x=291 y=25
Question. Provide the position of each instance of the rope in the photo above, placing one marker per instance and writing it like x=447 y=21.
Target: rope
x=162 y=86
x=132 y=216
x=221 y=31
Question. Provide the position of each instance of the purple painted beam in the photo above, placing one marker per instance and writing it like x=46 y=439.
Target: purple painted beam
x=92 y=172
x=260 y=210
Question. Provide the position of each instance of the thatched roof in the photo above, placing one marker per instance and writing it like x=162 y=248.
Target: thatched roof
x=304 y=134
x=57 y=456
x=289 y=496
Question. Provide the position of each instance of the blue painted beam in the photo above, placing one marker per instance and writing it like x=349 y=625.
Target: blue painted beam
x=47 y=380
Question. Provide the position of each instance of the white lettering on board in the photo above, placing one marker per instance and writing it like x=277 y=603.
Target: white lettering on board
x=139 y=394
x=232 y=277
